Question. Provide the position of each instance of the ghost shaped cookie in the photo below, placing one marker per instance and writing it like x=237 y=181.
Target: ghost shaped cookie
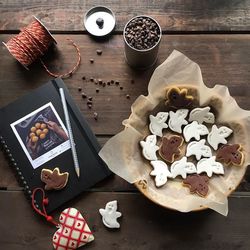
x=182 y=167
x=209 y=166
x=177 y=98
x=218 y=136
x=54 y=179
x=160 y=172
x=230 y=154
x=110 y=215
x=158 y=123
x=194 y=130
x=201 y=115
x=170 y=147
x=198 y=149
x=197 y=184
x=149 y=148
x=177 y=120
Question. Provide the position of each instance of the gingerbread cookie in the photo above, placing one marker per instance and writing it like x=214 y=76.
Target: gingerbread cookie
x=218 y=135
x=182 y=167
x=54 y=179
x=230 y=154
x=177 y=98
x=201 y=115
x=197 y=184
x=149 y=148
x=170 y=147
x=199 y=149
x=209 y=166
x=158 y=123
x=177 y=120
x=160 y=172
x=194 y=130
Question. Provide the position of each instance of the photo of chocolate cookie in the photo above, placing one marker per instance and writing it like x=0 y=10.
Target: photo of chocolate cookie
x=197 y=184
x=170 y=147
x=177 y=98
x=54 y=179
x=230 y=154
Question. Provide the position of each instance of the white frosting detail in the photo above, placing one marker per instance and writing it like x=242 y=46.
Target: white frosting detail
x=157 y=123
x=199 y=149
x=194 y=130
x=218 y=135
x=110 y=215
x=177 y=120
x=160 y=172
x=182 y=167
x=209 y=166
x=149 y=148
x=201 y=115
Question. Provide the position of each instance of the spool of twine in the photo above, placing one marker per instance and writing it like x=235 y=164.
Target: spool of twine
x=32 y=43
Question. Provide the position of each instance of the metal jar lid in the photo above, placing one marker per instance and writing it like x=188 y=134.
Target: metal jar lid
x=99 y=21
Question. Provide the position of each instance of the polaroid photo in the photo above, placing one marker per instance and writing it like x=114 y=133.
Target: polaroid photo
x=41 y=134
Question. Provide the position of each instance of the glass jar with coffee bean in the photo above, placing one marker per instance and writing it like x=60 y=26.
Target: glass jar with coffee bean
x=142 y=35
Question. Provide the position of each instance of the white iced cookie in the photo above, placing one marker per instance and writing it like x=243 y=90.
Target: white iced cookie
x=182 y=167
x=201 y=115
x=199 y=149
x=177 y=120
x=149 y=148
x=110 y=215
x=194 y=130
x=218 y=135
x=158 y=123
x=160 y=172
x=209 y=166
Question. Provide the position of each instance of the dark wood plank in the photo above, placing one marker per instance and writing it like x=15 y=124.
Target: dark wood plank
x=175 y=15
x=152 y=228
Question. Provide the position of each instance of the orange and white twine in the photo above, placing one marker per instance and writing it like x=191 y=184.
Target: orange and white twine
x=32 y=43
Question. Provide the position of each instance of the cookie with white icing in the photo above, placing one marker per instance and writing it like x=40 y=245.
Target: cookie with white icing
x=182 y=167
x=177 y=120
x=209 y=166
x=198 y=149
x=201 y=115
x=160 y=172
x=149 y=148
x=158 y=123
x=194 y=130
x=218 y=136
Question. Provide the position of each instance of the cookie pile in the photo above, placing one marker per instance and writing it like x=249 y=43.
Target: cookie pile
x=192 y=149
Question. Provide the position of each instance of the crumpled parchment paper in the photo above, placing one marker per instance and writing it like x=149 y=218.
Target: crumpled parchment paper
x=122 y=153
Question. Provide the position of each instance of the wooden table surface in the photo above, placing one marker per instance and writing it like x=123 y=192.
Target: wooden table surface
x=215 y=34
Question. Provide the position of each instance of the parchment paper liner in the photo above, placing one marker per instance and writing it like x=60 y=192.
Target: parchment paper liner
x=122 y=152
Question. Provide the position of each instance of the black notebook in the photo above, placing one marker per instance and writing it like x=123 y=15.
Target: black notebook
x=34 y=137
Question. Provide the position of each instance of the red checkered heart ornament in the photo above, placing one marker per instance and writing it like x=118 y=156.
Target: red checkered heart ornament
x=73 y=231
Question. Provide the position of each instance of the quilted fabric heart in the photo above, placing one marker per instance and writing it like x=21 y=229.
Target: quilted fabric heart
x=73 y=231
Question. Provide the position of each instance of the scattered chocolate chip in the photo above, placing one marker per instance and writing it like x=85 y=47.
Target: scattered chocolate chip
x=108 y=83
x=99 y=52
x=112 y=81
x=95 y=116
x=121 y=87
x=90 y=98
x=96 y=82
x=117 y=82
x=89 y=105
x=91 y=60
x=132 y=81
x=97 y=90
x=100 y=81
x=79 y=89
x=84 y=95
x=83 y=78
x=127 y=96
x=91 y=79
x=89 y=102
x=104 y=84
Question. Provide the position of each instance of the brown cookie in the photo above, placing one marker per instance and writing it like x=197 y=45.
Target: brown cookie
x=54 y=179
x=197 y=184
x=170 y=147
x=230 y=154
x=177 y=98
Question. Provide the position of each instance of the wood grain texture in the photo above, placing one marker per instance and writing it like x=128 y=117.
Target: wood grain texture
x=173 y=15
x=21 y=228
